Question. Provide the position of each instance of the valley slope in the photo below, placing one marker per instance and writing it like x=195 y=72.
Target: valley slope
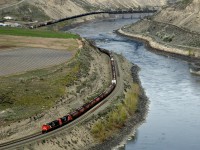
x=54 y=9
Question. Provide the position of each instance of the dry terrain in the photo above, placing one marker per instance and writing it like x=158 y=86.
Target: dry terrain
x=174 y=29
x=186 y=14
x=20 y=60
x=84 y=89
x=32 y=10
x=62 y=8
x=7 y=41
x=20 y=54
x=76 y=95
x=7 y=2
x=81 y=137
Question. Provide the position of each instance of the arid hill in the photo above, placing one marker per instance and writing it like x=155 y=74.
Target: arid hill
x=174 y=29
x=62 y=8
x=54 y=9
x=185 y=14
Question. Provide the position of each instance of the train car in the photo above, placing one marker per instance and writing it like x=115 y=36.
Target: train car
x=87 y=106
x=51 y=126
x=107 y=92
x=65 y=120
x=80 y=111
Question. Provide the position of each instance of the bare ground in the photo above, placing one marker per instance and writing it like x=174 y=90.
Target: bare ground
x=20 y=54
x=20 y=60
x=7 y=41
x=98 y=78
x=80 y=137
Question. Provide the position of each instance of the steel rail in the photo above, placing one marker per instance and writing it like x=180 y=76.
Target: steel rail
x=39 y=136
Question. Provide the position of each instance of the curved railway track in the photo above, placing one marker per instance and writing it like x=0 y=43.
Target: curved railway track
x=95 y=110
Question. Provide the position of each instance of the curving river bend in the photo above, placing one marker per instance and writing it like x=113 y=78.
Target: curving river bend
x=173 y=121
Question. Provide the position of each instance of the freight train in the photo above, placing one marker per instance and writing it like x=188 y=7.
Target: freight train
x=50 y=22
x=83 y=109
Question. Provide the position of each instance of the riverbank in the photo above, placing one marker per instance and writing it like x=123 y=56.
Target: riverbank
x=156 y=36
x=81 y=137
x=119 y=139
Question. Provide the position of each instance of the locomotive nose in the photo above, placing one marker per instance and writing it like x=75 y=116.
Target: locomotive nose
x=44 y=129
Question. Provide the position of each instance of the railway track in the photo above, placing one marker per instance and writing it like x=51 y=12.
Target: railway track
x=95 y=110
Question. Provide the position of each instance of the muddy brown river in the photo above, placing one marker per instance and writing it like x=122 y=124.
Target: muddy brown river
x=173 y=119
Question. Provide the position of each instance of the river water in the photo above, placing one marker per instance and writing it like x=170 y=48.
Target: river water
x=173 y=120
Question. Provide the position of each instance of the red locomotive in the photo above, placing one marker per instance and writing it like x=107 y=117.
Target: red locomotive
x=83 y=109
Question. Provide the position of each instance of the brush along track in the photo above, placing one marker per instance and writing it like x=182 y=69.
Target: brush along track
x=95 y=110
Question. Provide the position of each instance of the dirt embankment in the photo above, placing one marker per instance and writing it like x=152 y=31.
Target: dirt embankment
x=184 y=14
x=80 y=136
x=165 y=32
x=76 y=94
x=165 y=37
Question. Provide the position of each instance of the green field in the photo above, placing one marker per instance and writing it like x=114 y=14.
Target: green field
x=35 y=33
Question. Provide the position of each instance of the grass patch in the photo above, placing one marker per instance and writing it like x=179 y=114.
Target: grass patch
x=116 y=118
x=30 y=93
x=35 y=33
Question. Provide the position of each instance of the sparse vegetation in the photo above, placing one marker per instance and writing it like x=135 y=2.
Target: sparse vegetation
x=186 y=1
x=165 y=37
x=24 y=95
x=25 y=12
x=117 y=117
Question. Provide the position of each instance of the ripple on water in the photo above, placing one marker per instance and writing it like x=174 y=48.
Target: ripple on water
x=173 y=121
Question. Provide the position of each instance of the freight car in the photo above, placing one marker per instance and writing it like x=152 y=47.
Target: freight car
x=83 y=109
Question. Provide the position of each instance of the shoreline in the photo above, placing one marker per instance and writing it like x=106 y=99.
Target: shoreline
x=162 y=49
x=119 y=139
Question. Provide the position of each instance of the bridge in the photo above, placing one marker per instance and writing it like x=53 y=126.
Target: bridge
x=92 y=13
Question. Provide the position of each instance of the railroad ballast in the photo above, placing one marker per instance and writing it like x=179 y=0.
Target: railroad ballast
x=83 y=109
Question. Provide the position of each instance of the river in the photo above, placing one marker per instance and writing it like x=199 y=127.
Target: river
x=173 y=119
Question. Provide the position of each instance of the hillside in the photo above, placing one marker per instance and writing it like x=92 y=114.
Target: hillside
x=62 y=8
x=32 y=10
x=174 y=29
x=186 y=14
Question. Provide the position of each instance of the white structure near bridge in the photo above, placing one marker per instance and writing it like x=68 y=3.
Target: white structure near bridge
x=8 y=18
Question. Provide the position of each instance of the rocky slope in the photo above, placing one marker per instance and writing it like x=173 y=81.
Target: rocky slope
x=61 y=8
x=174 y=29
x=186 y=14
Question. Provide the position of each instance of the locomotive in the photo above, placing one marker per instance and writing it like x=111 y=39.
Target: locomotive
x=83 y=109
